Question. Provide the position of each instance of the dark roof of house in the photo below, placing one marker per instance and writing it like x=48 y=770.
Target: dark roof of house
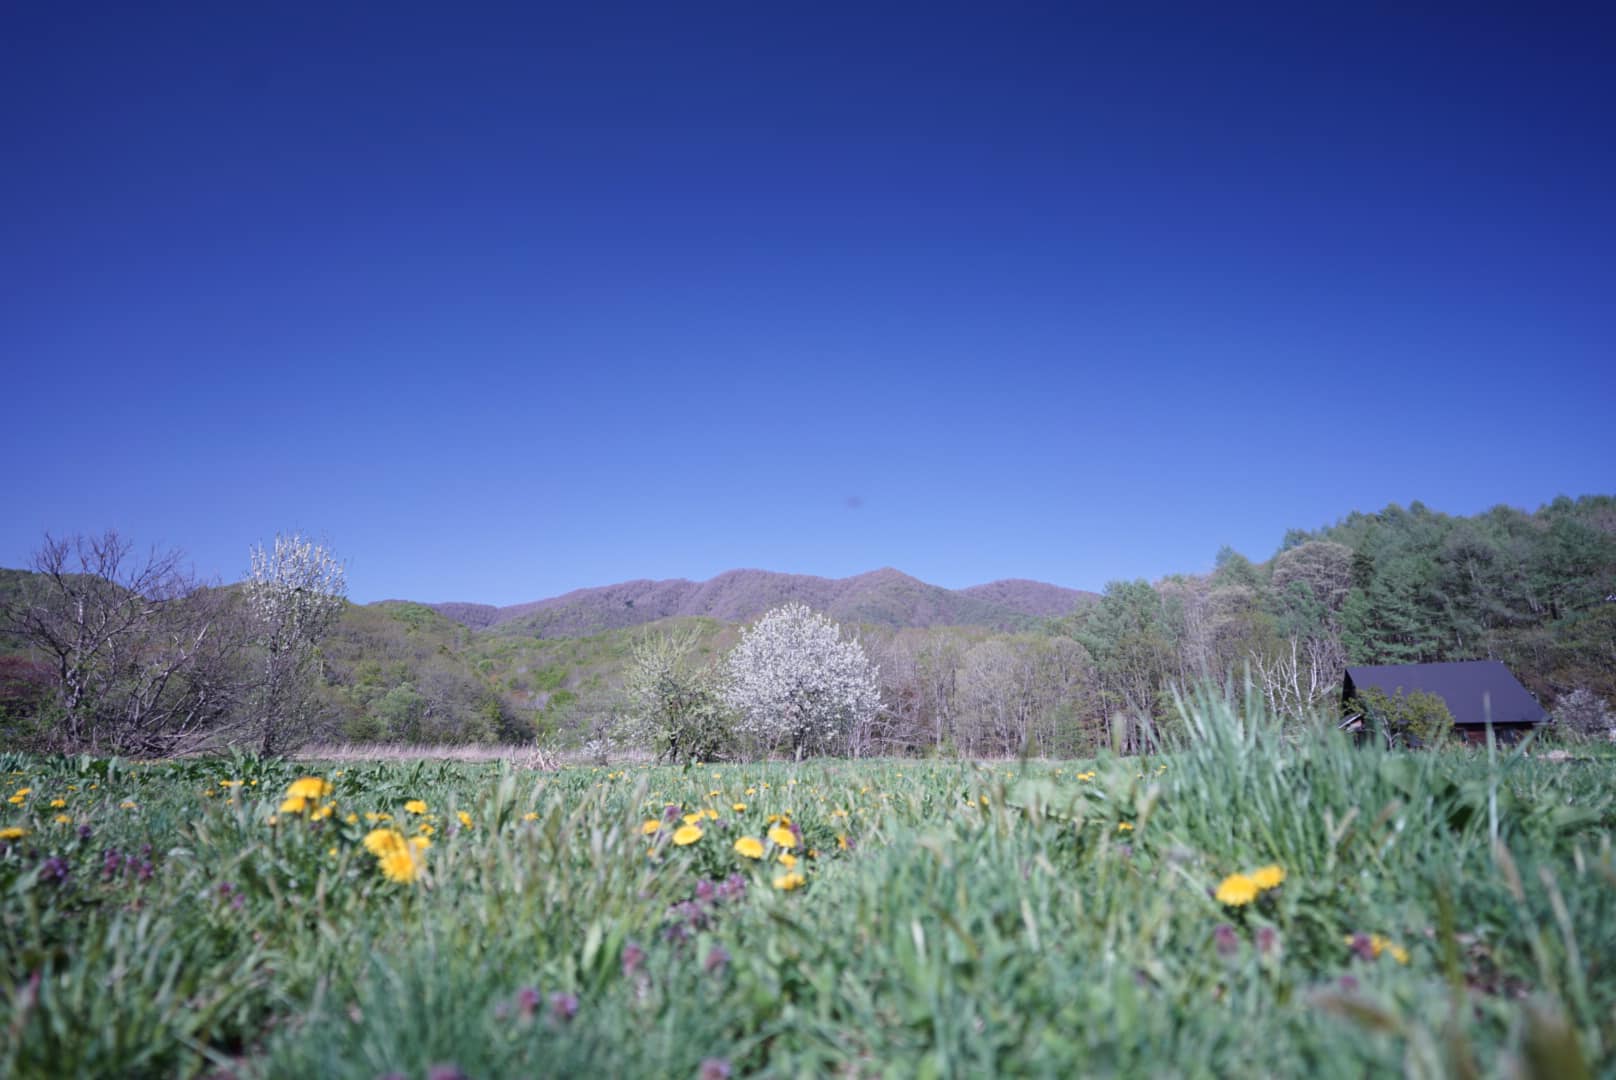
x=1475 y=690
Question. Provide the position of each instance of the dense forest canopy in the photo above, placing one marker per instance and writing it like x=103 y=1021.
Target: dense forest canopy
x=1536 y=590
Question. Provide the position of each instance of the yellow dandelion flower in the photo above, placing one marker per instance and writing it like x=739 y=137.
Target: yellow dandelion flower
x=651 y=825
x=13 y=832
x=424 y=829
x=783 y=837
x=465 y=819
x=749 y=846
x=714 y=794
x=64 y=819
x=57 y=804
x=787 y=860
x=531 y=815
x=710 y=814
x=792 y=880
x=23 y=792
x=383 y=842
x=695 y=817
x=841 y=841
x=320 y=813
x=127 y=804
x=686 y=835
x=331 y=852
x=295 y=804
x=1236 y=889
x=17 y=800
x=415 y=806
x=1268 y=877
x=401 y=866
x=310 y=787
x=1124 y=826
x=419 y=843
x=739 y=808
x=352 y=818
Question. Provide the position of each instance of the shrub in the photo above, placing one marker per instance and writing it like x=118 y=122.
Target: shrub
x=1415 y=719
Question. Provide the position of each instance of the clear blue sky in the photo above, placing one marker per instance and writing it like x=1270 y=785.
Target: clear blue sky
x=508 y=301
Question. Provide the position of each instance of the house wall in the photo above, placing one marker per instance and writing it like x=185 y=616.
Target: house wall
x=1506 y=734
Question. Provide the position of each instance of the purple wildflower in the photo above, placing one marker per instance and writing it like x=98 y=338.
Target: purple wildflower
x=1226 y=940
x=734 y=888
x=717 y=960
x=714 y=1069
x=633 y=958
x=563 y=1006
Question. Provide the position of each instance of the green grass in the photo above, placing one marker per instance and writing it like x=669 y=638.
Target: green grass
x=983 y=920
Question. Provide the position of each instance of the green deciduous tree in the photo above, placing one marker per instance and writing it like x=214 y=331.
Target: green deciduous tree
x=675 y=705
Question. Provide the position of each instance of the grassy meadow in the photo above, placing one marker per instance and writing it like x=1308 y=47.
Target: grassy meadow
x=1248 y=905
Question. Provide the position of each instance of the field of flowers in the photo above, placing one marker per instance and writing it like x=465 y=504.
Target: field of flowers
x=1247 y=905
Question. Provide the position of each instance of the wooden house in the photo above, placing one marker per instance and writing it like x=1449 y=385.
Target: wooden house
x=1475 y=692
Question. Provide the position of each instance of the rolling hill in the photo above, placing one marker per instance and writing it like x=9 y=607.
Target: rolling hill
x=884 y=597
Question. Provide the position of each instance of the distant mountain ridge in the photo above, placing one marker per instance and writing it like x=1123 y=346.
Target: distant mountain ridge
x=885 y=597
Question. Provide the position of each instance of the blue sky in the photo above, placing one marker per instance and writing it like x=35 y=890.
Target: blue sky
x=508 y=301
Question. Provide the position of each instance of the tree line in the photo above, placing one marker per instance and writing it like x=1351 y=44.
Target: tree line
x=128 y=654
x=1403 y=585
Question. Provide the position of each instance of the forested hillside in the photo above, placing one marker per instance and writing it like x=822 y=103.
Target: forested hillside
x=1535 y=590
x=884 y=597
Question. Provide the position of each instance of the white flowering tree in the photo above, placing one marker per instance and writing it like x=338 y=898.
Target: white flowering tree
x=793 y=681
x=295 y=591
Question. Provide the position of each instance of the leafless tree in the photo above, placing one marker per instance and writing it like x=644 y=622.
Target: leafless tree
x=1300 y=676
x=994 y=699
x=143 y=655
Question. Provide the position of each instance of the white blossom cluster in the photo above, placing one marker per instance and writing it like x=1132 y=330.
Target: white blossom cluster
x=793 y=681
x=295 y=590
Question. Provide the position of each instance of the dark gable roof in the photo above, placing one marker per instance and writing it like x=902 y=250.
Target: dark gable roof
x=1470 y=688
